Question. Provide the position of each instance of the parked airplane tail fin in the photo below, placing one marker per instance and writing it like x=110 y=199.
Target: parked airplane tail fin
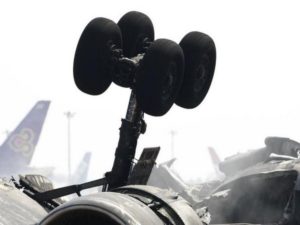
x=214 y=156
x=17 y=150
x=81 y=173
x=216 y=161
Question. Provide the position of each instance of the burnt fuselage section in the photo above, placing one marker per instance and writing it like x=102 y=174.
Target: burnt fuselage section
x=267 y=193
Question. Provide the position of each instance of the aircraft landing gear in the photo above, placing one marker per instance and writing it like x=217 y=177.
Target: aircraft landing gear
x=159 y=72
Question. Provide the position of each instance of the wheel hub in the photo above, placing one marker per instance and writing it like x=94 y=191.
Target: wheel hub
x=169 y=82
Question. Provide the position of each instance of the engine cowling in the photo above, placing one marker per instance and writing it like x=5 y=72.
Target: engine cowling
x=129 y=205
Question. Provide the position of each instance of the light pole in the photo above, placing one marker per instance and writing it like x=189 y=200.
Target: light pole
x=173 y=133
x=69 y=116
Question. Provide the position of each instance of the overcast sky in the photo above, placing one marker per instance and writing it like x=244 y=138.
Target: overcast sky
x=255 y=92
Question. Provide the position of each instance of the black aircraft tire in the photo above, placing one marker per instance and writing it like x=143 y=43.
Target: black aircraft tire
x=200 y=59
x=135 y=28
x=93 y=64
x=159 y=77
